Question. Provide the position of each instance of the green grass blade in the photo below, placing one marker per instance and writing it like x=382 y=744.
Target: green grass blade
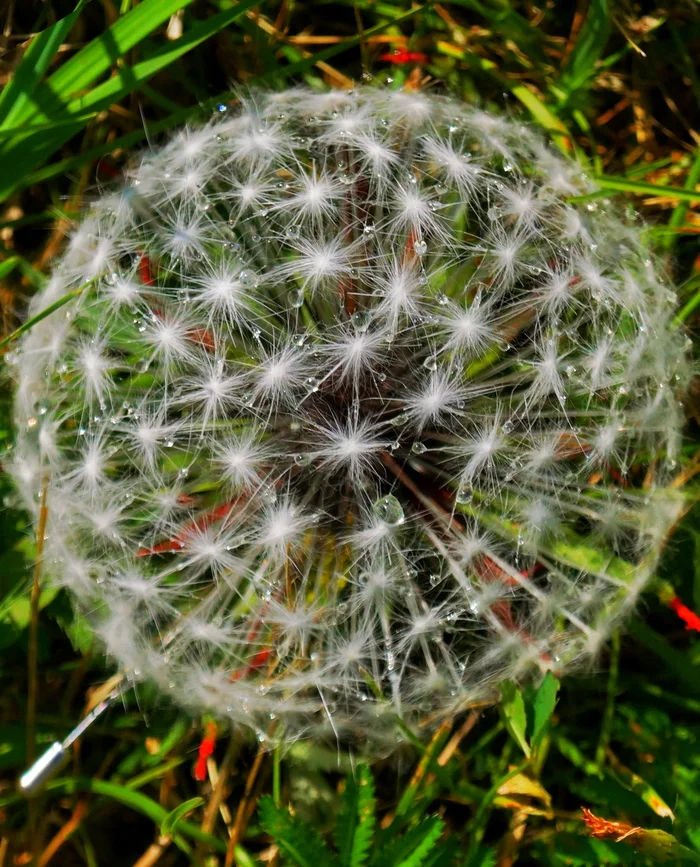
x=37 y=58
x=129 y=78
x=582 y=64
x=625 y=185
x=170 y=823
x=680 y=211
x=47 y=311
x=96 y=58
x=690 y=305
x=24 y=152
x=540 y=112
x=130 y=798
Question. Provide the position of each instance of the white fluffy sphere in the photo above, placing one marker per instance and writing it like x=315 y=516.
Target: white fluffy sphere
x=366 y=405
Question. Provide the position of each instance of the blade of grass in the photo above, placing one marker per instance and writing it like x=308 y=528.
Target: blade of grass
x=534 y=104
x=128 y=78
x=689 y=306
x=95 y=59
x=24 y=152
x=36 y=60
x=582 y=64
x=676 y=662
x=625 y=185
x=132 y=138
x=680 y=211
x=135 y=800
x=301 y=66
x=47 y=311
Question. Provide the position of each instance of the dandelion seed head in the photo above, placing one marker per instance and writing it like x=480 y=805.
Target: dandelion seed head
x=362 y=410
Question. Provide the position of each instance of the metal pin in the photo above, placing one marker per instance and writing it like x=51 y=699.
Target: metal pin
x=51 y=761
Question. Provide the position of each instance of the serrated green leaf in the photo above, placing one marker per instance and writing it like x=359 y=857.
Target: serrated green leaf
x=169 y=824
x=415 y=846
x=513 y=708
x=297 y=840
x=355 y=826
x=346 y=824
x=543 y=707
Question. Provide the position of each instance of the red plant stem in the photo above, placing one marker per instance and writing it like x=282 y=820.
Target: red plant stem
x=402 y=55
x=689 y=617
x=178 y=542
x=206 y=749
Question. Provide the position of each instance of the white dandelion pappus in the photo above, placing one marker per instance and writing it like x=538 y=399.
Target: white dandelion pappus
x=358 y=417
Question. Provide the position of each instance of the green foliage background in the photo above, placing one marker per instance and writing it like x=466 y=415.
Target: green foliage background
x=615 y=84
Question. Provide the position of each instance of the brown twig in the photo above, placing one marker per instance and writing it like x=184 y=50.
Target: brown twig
x=510 y=845
x=451 y=746
x=33 y=652
x=217 y=794
x=153 y=853
x=244 y=810
x=60 y=838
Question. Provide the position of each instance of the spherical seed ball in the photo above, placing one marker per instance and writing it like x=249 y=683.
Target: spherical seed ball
x=366 y=404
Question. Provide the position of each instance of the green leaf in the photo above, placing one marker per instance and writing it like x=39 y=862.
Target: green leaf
x=543 y=707
x=677 y=663
x=47 y=311
x=413 y=848
x=355 y=825
x=582 y=63
x=128 y=78
x=36 y=60
x=513 y=708
x=625 y=185
x=129 y=798
x=94 y=59
x=301 y=843
x=169 y=823
x=21 y=153
x=8 y=266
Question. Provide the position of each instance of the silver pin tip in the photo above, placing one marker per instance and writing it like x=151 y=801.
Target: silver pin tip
x=42 y=769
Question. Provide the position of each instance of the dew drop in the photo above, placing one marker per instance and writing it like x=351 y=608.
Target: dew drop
x=419 y=448
x=508 y=426
x=464 y=496
x=249 y=278
x=361 y=320
x=420 y=248
x=400 y=419
x=389 y=510
x=431 y=362
x=296 y=298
